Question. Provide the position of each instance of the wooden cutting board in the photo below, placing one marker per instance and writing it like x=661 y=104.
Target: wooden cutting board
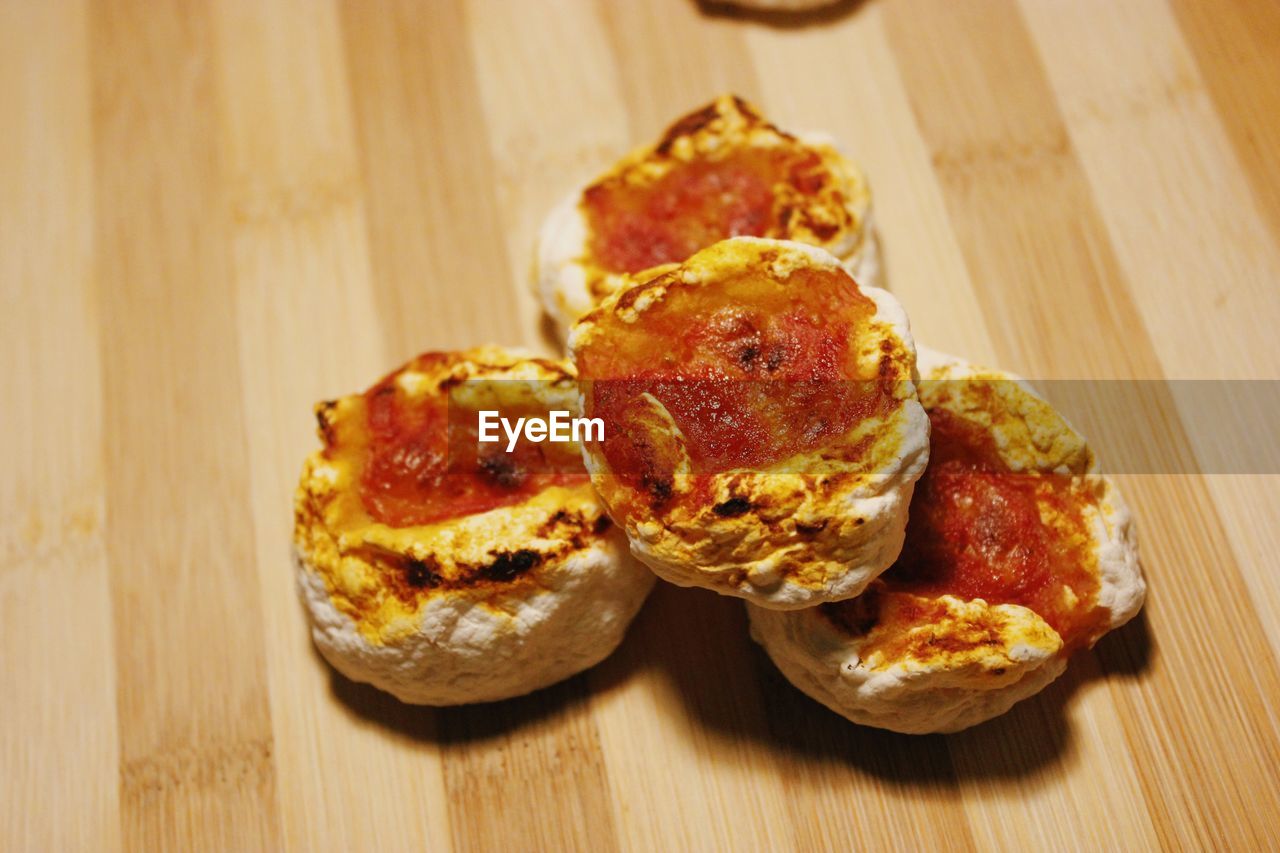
x=213 y=214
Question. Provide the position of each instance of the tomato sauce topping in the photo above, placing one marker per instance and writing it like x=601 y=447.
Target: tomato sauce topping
x=976 y=531
x=423 y=462
x=696 y=204
x=751 y=371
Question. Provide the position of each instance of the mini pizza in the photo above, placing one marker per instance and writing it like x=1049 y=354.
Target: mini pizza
x=720 y=172
x=761 y=427
x=445 y=570
x=1018 y=552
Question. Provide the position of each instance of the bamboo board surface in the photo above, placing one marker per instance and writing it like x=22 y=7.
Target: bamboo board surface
x=213 y=214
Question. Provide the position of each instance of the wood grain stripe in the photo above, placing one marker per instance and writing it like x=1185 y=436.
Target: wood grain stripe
x=438 y=251
x=544 y=132
x=840 y=79
x=711 y=733
x=1211 y=673
x=668 y=714
x=822 y=761
x=58 y=740
x=549 y=133
x=214 y=213
x=671 y=58
x=1026 y=753
x=845 y=62
x=194 y=725
x=681 y=694
x=529 y=769
x=309 y=330
x=543 y=781
x=1162 y=168
x=1231 y=51
x=1236 y=44
x=982 y=152
x=1026 y=217
x=1163 y=171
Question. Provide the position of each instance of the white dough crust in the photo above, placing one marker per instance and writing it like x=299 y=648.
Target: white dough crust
x=936 y=694
x=462 y=651
x=920 y=663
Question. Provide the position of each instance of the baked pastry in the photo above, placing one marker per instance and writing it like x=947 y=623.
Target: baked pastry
x=761 y=427
x=447 y=571
x=777 y=5
x=1018 y=552
x=721 y=171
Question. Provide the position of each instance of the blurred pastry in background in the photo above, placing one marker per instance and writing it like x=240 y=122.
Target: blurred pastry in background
x=776 y=5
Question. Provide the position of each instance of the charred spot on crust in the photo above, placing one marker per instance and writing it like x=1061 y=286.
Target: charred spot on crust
x=967 y=639
x=809 y=176
x=885 y=368
x=502 y=470
x=744 y=108
x=508 y=566
x=421 y=574
x=629 y=296
x=700 y=119
x=731 y=508
x=824 y=231
x=551 y=367
x=751 y=355
x=687 y=126
x=431 y=360
x=660 y=489
x=324 y=419
x=856 y=617
x=567 y=527
x=810 y=529
x=602 y=524
x=450 y=382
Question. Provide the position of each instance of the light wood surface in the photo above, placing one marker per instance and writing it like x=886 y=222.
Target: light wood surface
x=213 y=214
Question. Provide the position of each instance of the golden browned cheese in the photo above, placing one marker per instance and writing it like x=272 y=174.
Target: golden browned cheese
x=387 y=526
x=761 y=426
x=1016 y=552
x=900 y=629
x=721 y=171
x=1004 y=514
